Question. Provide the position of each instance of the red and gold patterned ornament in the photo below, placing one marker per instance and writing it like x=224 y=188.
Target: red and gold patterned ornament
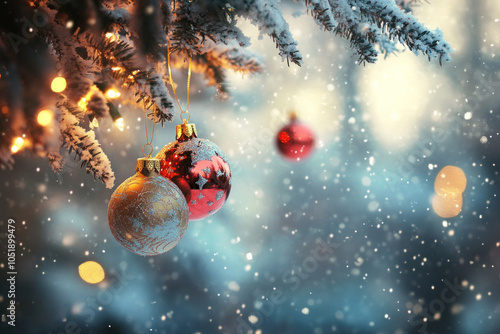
x=295 y=141
x=199 y=168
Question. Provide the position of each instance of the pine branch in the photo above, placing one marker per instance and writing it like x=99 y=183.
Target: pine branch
x=92 y=41
x=150 y=37
x=76 y=70
x=126 y=66
x=84 y=144
x=268 y=18
x=216 y=57
x=195 y=24
x=406 y=29
x=233 y=57
x=56 y=162
x=97 y=103
x=322 y=13
x=406 y=5
x=351 y=27
x=208 y=64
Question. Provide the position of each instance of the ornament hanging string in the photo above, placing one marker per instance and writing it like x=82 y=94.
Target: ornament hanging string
x=173 y=85
x=148 y=142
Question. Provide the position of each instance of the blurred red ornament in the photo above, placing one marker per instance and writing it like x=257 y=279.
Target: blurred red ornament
x=199 y=168
x=295 y=141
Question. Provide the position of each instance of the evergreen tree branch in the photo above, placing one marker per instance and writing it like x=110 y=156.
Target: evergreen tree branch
x=322 y=13
x=84 y=144
x=268 y=18
x=406 y=29
x=150 y=89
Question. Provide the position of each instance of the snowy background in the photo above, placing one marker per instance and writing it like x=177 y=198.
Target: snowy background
x=383 y=132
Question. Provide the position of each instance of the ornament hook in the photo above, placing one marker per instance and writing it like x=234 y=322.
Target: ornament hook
x=173 y=85
x=152 y=149
x=185 y=120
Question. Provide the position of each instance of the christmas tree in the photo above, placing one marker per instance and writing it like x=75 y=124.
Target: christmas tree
x=65 y=62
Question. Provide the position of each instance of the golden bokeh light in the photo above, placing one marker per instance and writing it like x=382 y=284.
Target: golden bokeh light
x=120 y=123
x=449 y=185
x=450 y=178
x=45 y=117
x=110 y=36
x=112 y=93
x=91 y=272
x=447 y=205
x=17 y=144
x=58 y=85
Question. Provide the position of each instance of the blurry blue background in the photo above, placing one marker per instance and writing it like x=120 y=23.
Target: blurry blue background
x=383 y=132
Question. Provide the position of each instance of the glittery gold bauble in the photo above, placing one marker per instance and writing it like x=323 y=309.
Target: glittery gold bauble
x=148 y=213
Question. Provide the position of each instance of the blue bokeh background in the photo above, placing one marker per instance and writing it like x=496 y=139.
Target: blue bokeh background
x=383 y=133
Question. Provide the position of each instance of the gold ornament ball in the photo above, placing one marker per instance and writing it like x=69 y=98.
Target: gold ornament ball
x=148 y=213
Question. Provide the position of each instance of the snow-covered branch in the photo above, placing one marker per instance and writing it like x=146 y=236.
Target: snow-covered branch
x=109 y=44
x=84 y=144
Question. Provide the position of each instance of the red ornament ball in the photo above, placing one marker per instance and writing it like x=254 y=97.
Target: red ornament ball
x=295 y=141
x=200 y=169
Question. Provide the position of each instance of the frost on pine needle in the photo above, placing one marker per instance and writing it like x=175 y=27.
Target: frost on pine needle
x=322 y=13
x=406 y=5
x=405 y=28
x=269 y=19
x=369 y=24
x=86 y=147
x=56 y=161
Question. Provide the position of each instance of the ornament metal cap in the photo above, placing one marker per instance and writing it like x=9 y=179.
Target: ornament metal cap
x=185 y=131
x=148 y=166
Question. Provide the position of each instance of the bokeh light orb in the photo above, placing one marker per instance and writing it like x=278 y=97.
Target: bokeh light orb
x=58 y=85
x=91 y=272
x=450 y=178
x=45 y=117
x=447 y=205
x=449 y=185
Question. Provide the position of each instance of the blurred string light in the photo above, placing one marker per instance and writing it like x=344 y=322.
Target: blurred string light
x=84 y=101
x=91 y=272
x=45 y=117
x=17 y=144
x=110 y=37
x=82 y=104
x=58 y=85
x=120 y=124
x=116 y=116
x=449 y=185
x=112 y=93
